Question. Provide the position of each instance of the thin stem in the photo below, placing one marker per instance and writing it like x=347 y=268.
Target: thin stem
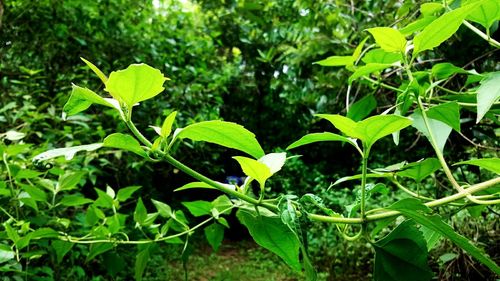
x=138 y=134
x=364 y=167
x=481 y=34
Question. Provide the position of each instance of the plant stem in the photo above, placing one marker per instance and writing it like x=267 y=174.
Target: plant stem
x=481 y=34
x=138 y=134
x=364 y=167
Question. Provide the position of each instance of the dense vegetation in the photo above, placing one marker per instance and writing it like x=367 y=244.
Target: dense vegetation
x=111 y=108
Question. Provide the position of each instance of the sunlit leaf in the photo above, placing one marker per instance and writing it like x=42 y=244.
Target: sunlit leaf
x=96 y=70
x=487 y=94
x=125 y=142
x=81 y=99
x=382 y=57
x=318 y=137
x=336 y=61
x=389 y=39
x=486 y=13
x=448 y=113
x=254 y=169
x=420 y=170
x=166 y=128
x=490 y=164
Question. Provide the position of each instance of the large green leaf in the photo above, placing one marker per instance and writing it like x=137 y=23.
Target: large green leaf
x=214 y=234
x=417 y=25
x=428 y=9
x=486 y=13
x=376 y=127
x=254 y=169
x=136 y=83
x=420 y=170
x=61 y=248
x=440 y=130
x=487 y=94
x=440 y=30
x=389 y=39
x=67 y=152
x=317 y=137
x=342 y=123
x=223 y=133
x=491 y=164
x=362 y=108
x=125 y=142
x=336 y=61
x=272 y=234
x=445 y=70
x=414 y=209
x=81 y=99
x=448 y=113
x=402 y=255
x=198 y=208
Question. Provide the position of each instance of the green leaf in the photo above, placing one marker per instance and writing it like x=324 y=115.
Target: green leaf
x=103 y=199
x=61 y=248
x=359 y=49
x=367 y=69
x=136 y=83
x=402 y=255
x=163 y=209
x=97 y=249
x=197 y=184
x=223 y=133
x=487 y=94
x=486 y=13
x=254 y=169
x=440 y=130
x=431 y=237
x=428 y=9
x=35 y=193
x=445 y=70
x=343 y=124
x=417 y=25
x=376 y=127
x=96 y=70
x=272 y=234
x=410 y=208
x=318 y=137
x=6 y=253
x=448 y=113
x=490 y=164
x=27 y=174
x=140 y=212
x=67 y=152
x=74 y=200
x=69 y=180
x=362 y=108
x=141 y=261
x=125 y=142
x=214 y=234
x=198 y=208
x=389 y=39
x=337 y=61
x=440 y=29
x=420 y=170
x=81 y=99
x=166 y=128
x=125 y=193
x=221 y=204
x=274 y=161
x=381 y=57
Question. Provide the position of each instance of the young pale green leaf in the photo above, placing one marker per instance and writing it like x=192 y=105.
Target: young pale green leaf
x=362 y=108
x=440 y=29
x=389 y=39
x=420 y=170
x=140 y=212
x=136 y=83
x=125 y=193
x=141 y=261
x=254 y=169
x=272 y=234
x=96 y=70
x=166 y=128
x=428 y=9
x=342 y=123
x=490 y=164
x=486 y=13
x=197 y=184
x=125 y=142
x=410 y=208
x=67 y=152
x=402 y=255
x=382 y=57
x=487 y=94
x=198 y=208
x=274 y=161
x=359 y=49
x=440 y=131
x=367 y=69
x=75 y=200
x=163 y=209
x=445 y=70
x=376 y=127
x=223 y=133
x=448 y=113
x=214 y=234
x=417 y=25
x=318 y=137
x=81 y=99
x=337 y=61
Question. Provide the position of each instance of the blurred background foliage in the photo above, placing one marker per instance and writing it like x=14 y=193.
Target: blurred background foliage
x=249 y=62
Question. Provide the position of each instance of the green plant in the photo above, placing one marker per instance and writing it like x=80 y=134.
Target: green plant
x=420 y=99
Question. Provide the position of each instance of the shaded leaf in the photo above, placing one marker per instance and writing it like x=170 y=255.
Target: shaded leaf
x=367 y=69
x=140 y=212
x=125 y=193
x=420 y=170
x=198 y=208
x=192 y=185
x=440 y=130
x=362 y=108
x=487 y=94
x=74 y=200
x=214 y=234
x=491 y=164
x=448 y=113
